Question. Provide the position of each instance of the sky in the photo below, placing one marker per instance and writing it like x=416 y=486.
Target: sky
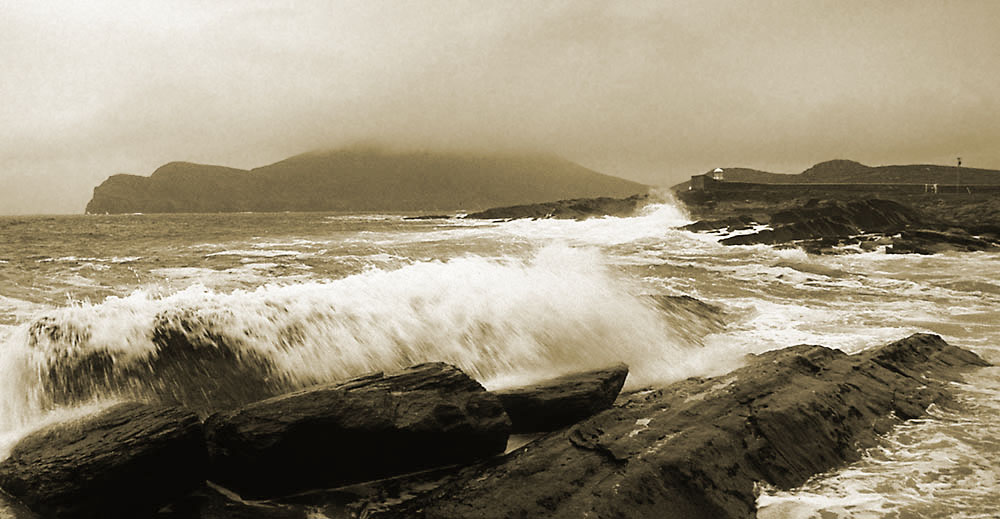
x=653 y=91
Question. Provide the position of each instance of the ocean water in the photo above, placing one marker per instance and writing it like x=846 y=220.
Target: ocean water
x=216 y=310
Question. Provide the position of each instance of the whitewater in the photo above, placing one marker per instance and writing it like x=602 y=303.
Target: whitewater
x=216 y=310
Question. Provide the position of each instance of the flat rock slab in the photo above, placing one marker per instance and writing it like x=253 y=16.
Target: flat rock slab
x=125 y=461
x=697 y=448
x=368 y=428
x=562 y=401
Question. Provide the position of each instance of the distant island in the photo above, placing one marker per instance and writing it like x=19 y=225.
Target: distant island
x=360 y=179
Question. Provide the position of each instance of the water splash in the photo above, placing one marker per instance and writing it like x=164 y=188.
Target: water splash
x=500 y=320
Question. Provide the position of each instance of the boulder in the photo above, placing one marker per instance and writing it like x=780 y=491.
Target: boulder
x=368 y=428
x=562 y=401
x=697 y=448
x=125 y=461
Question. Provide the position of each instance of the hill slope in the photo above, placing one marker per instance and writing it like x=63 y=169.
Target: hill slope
x=359 y=180
x=848 y=171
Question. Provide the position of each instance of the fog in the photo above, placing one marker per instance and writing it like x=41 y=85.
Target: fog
x=650 y=91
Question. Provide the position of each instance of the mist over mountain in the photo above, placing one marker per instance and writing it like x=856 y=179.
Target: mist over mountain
x=359 y=179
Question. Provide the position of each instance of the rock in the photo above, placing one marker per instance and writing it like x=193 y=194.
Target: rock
x=428 y=217
x=697 y=448
x=577 y=208
x=733 y=223
x=698 y=317
x=926 y=241
x=213 y=502
x=822 y=227
x=368 y=428
x=562 y=401
x=831 y=221
x=11 y=508
x=125 y=461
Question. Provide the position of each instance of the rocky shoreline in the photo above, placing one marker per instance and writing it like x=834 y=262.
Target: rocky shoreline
x=695 y=448
x=823 y=226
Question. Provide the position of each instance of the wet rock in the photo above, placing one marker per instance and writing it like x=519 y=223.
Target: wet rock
x=368 y=428
x=125 y=461
x=697 y=448
x=213 y=502
x=733 y=223
x=832 y=221
x=927 y=241
x=562 y=401
x=820 y=227
x=577 y=208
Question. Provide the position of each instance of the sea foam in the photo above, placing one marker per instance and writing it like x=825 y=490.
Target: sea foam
x=503 y=321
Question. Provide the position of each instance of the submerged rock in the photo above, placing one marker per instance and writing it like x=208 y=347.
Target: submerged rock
x=562 y=401
x=125 y=461
x=697 y=448
x=368 y=428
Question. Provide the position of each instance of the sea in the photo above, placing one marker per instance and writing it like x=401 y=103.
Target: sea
x=214 y=310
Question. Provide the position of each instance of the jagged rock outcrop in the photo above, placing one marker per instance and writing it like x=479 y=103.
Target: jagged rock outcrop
x=578 y=209
x=928 y=241
x=359 y=179
x=368 y=428
x=697 y=448
x=126 y=461
x=831 y=219
x=562 y=401
x=733 y=223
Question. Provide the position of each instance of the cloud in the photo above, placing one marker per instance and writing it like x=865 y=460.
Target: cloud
x=651 y=91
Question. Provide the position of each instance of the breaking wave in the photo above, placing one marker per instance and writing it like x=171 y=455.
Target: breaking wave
x=501 y=320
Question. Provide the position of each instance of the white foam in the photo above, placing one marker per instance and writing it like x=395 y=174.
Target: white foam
x=561 y=310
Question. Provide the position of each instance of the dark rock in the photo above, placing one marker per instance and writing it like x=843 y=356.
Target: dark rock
x=428 y=217
x=733 y=223
x=821 y=227
x=213 y=502
x=125 y=461
x=578 y=208
x=562 y=401
x=926 y=241
x=697 y=448
x=11 y=508
x=368 y=428
x=833 y=221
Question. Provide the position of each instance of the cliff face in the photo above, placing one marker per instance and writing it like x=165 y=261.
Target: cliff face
x=358 y=180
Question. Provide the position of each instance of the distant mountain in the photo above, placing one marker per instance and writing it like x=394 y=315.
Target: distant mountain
x=847 y=171
x=359 y=180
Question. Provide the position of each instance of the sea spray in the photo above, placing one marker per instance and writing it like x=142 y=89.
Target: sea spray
x=501 y=320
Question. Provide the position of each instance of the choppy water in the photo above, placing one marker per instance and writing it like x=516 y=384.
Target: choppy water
x=214 y=310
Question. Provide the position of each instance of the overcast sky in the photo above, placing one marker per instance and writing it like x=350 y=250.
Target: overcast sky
x=651 y=91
